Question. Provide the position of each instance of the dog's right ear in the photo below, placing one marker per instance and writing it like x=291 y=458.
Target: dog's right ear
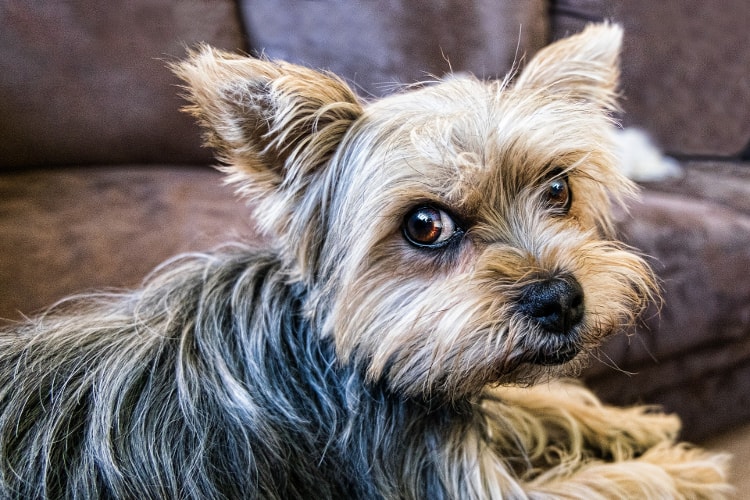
x=272 y=123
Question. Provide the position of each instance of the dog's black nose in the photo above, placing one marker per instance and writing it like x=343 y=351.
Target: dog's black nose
x=554 y=304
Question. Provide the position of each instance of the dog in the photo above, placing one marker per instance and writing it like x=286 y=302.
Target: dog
x=436 y=264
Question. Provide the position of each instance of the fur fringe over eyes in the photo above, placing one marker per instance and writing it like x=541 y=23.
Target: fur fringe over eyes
x=341 y=359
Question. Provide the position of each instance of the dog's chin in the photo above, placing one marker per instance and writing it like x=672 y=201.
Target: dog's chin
x=554 y=357
x=552 y=351
x=549 y=360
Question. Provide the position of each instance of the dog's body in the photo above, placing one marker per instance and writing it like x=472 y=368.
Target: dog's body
x=430 y=252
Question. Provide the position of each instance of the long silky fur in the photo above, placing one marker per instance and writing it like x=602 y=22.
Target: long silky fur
x=207 y=383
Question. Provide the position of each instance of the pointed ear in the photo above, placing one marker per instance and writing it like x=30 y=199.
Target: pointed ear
x=584 y=66
x=271 y=122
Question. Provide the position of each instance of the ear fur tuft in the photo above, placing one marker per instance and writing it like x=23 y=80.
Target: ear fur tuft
x=263 y=117
x=584 y=66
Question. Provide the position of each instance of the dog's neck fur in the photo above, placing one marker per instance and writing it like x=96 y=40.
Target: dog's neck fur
x=318 y=414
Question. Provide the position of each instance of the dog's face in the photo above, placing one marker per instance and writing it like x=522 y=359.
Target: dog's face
x=450 y=237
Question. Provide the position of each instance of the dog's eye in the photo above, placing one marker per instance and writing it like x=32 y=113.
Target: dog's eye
x=429 y=227
x=558 y=196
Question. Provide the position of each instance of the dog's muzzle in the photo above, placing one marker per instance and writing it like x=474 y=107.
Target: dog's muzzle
x=556 y=306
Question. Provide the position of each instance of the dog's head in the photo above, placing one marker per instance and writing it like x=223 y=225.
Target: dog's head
x=450 y=236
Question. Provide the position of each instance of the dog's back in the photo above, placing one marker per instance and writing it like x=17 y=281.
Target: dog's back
x=208 y=382
x=181 y=389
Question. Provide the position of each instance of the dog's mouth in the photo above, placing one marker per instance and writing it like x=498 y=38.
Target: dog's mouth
x=544 y=349
x=555 y=355
x=524 y=364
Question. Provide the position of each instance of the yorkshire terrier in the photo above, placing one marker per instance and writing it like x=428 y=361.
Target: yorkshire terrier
x=432 y=261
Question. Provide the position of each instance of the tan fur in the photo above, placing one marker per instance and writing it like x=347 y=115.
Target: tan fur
x=331 y=179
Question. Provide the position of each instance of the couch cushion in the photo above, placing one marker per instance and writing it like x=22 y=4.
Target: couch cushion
x=381 y=45
x=686 y=68
x=69 y=230
x=86 y=81
x=696 y=231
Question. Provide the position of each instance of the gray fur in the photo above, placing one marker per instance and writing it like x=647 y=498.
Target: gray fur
x=207 y=383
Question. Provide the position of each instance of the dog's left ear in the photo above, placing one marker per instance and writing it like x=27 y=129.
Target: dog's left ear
x=271 y=122
x=584 y=66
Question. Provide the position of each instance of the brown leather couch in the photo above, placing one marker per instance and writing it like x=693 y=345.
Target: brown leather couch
x=101 y=178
